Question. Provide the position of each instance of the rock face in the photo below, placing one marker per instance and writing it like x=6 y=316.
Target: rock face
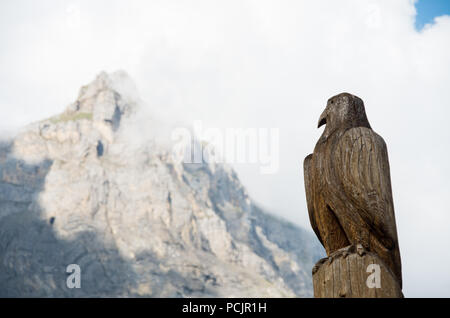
x=74 y=191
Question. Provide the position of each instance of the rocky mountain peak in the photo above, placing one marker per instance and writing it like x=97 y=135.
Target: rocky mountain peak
x=107 y=98
x=87 y=127
x=136 y=222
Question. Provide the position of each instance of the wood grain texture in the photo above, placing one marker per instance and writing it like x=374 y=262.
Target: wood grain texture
x=348 y=188
x=346 y=277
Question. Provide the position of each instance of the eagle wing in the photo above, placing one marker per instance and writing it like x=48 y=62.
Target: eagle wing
x=362 y=167
x=308 y=176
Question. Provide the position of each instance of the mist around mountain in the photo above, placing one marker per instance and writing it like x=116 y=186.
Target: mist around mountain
x=92 y=187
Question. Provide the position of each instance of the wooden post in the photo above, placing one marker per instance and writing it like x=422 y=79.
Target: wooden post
x=345 y=274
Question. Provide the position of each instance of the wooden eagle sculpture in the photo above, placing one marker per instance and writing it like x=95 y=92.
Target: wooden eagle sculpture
x=348 y=184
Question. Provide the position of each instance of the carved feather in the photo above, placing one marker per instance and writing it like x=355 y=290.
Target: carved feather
x=309 y=194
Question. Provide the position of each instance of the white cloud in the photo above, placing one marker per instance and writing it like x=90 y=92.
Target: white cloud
x=260 y=64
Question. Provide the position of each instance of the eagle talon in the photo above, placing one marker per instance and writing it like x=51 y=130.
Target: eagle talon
x=347 y=251
x=315 y=269
x=330 y=260
x=360 y=250
x=318 y=265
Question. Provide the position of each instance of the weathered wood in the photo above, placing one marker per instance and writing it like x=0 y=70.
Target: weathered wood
x=345 y=276
x=348 y=191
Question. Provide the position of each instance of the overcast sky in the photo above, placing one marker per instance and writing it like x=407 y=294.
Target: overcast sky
x=259 y=63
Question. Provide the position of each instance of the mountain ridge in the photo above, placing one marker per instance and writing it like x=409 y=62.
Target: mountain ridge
x=73 y=190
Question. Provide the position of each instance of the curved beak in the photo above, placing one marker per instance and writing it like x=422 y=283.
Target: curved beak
x=323 y=118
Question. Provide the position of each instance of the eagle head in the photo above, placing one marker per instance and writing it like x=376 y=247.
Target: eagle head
x=343 y=111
